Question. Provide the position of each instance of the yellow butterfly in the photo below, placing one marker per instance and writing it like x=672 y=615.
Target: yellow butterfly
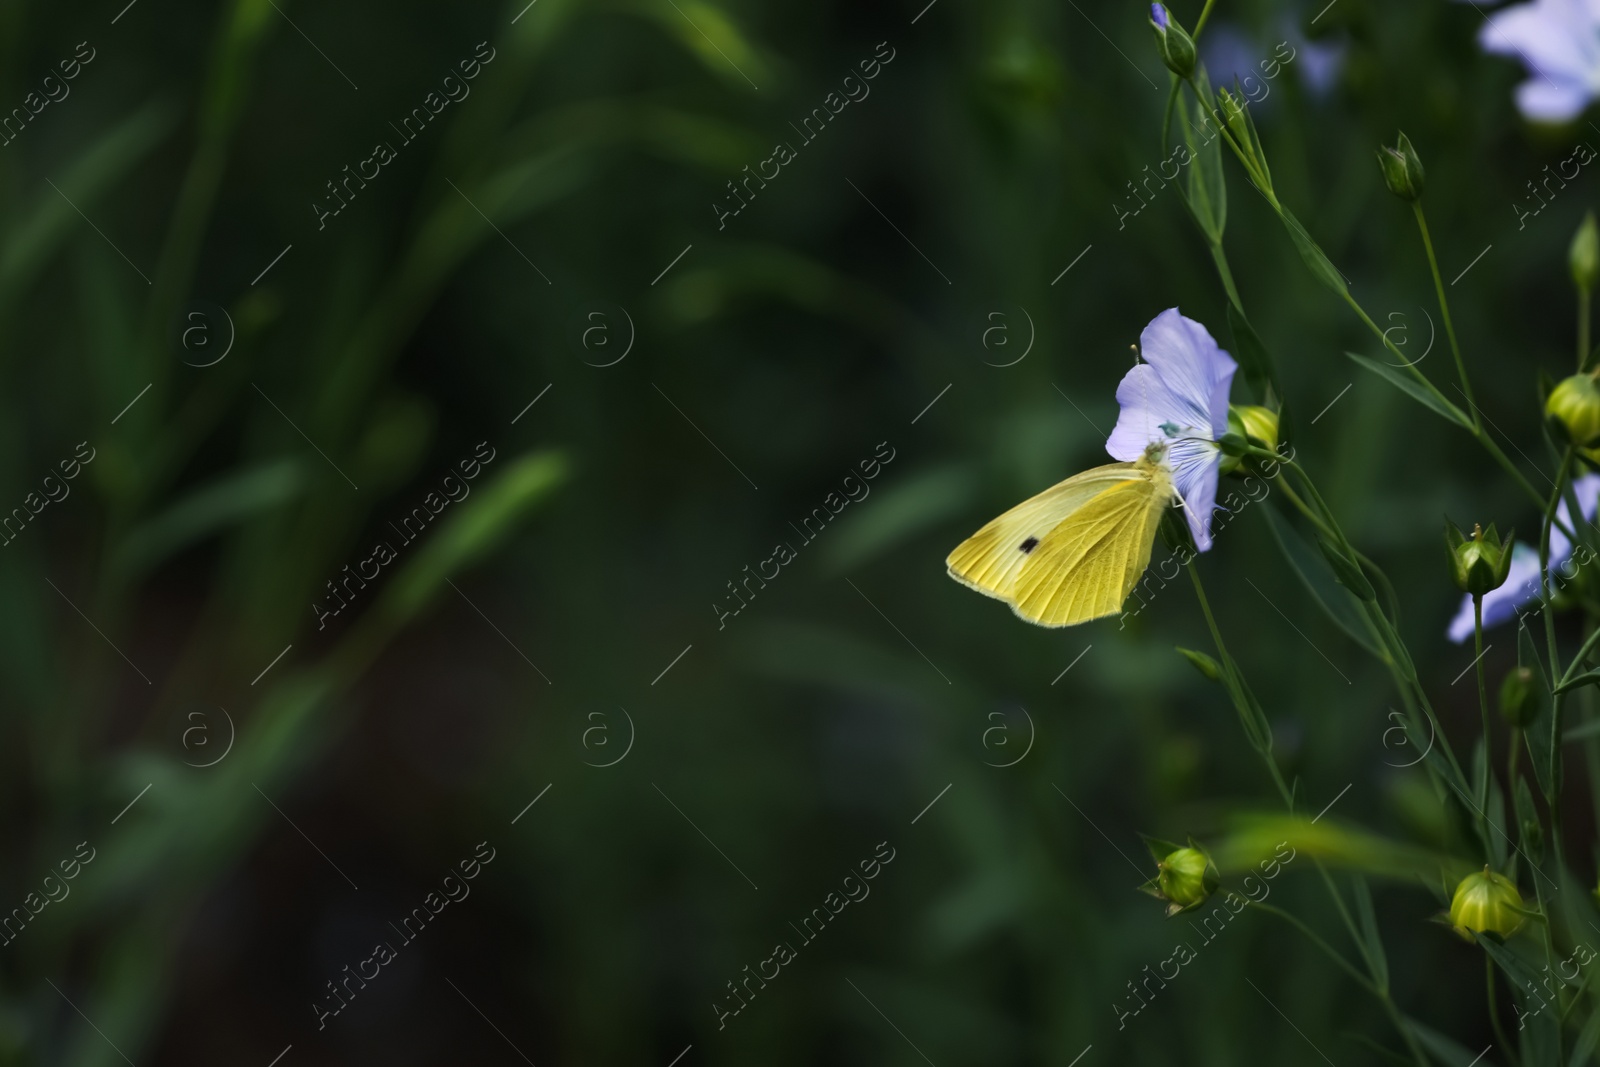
x=1074 y=552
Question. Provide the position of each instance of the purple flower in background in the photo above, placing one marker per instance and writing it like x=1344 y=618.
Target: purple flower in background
x=1521 y=587
x=1158 y=15
x=1178 y=397
x=1559 y=40
x=1229 y=53
x=1320 y=62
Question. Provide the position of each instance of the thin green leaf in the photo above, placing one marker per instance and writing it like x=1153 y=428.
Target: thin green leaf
x=1253 y=355
x=53 y=218
x=1537 y=734
x=1588 y=678
x=1522 y=974
x=1377 y=961
x=230 y=499
x=482 y=522
x=1498 y=842
x=1322 y=267
x=1586 y=1043
x=1342 y=607
x=1203 y=663
x=1527 y=812
x=1414 y=389
x=1206 y=193
x=1528 y=654
x=1449 y=1052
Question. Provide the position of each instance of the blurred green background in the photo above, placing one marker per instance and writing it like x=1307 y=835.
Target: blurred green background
x=524 y=637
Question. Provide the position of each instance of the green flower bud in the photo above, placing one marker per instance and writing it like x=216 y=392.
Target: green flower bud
x=1247 y=424
x=1402 y=169
x=1486 y=903
x=1519 y=700
x=1186 y=879
x=1175 y=46
x=1233 y=114
x=1584 y=255
x=1255 y=422
x=1480 y=563
x=1575 y=405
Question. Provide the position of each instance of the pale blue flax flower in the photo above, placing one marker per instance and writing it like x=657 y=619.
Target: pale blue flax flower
x=1178 y=398
x=1521 y=586
x=1559 y=41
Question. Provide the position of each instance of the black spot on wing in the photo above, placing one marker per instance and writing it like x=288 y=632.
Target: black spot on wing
x=1029 y=545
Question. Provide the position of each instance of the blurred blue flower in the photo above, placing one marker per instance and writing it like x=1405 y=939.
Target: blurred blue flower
x=1522 y=584
x=1319 y=63
x=1158 y=15
x=1178 y=398
x=1559 y=40
x=1229 y=53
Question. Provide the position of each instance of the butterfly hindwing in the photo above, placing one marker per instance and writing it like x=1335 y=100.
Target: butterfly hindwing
x=991 y=559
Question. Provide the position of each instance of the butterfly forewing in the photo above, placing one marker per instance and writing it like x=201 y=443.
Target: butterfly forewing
x=991 y=559
x=1085 y=568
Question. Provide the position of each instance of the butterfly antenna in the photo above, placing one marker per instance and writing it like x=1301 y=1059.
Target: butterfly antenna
x=1144 y=394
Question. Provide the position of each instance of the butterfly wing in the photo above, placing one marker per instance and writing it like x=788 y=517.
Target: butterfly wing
x=991 y=559
x=1086 y=567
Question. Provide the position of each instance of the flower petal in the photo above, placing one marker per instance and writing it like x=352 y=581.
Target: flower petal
x=1555 y=38
x=1587 y=490
x=1546 y=100
x=1196 y=467
x=1150 y=415
x=1195 y=370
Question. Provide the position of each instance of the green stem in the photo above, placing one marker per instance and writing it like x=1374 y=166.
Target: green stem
x=1444 y=309
x=1587 y=647
x=1372 y=569
x=1591 y=743
x=1239 y=699
x=1558 y=703
x=1476 y=428
x=1387 y=635
x=1483 y=700
x=1382 y=994
x=1583 y=327
x=1511 y=761
x=1494 y=1013
x=1327 y=949
x=1220 y=258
